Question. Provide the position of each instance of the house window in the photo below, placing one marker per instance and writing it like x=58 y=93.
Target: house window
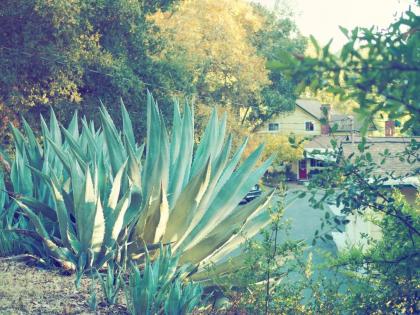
x=313 y=162
x=273 y=127
x=309 y=126
x=318 y=163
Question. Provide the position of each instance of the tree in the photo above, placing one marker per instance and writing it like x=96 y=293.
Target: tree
x=278 y=36
x=380 y=70
x=72 y=54
x=224 y=65
x=381 y=276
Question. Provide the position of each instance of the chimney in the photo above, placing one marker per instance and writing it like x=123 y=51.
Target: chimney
x=389 y=128
x=325 y=124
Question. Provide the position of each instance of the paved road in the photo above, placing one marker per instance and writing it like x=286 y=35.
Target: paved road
x=304 y=221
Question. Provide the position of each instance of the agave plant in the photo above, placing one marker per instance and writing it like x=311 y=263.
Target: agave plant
x=161 y=288
x=84 y=189
x=190 y=196
x=77 y=209
x=111 y=283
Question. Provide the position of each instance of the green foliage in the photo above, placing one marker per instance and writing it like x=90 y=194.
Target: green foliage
x=92 y=300
x=276 y=40
x=380 y=70
x=381 y=276
x=111 y=282
x=69 y=54
x=161 y=287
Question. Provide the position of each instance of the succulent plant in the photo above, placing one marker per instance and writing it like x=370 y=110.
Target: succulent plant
x=161 y=287
x=88 y=189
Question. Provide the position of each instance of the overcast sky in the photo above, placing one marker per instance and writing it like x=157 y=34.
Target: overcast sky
x=321 y=18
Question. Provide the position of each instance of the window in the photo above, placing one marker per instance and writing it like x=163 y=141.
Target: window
x=309 y=126
x=273 y=127
x=318 y=163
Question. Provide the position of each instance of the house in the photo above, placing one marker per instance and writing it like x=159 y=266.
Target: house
x=311 y=118
x=314 y=161
x=304 y=120
x=359 y=225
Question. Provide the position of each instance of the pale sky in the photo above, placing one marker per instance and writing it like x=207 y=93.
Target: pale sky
x=321 y=18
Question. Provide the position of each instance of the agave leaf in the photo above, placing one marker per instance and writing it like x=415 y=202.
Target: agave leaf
x=87 y=138
x=176 y=137
x=152 y=176
x=74 y=145
x=54 y=250
x=38 y=206
x=55 y=128
x=134 y=210
x=116 y=187
x=205 y=274
x=221 y=130
x=73 y=127
x=3 y=195
x=77 y=180
x=134 y=169
x=90 y=220
x=223 y=231
x=184 y=210
x=116 y=149
x=157 y=221
x=44 y=128
x=18 y=137
x=207 y=143
x=164 y=157
x=127 y=125
x=181 y=150
x=20 y=175
x=62 y=213
x=34 y=149
x=118 y=222
x=98 y=232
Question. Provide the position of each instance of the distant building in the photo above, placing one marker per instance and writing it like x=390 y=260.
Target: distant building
x=312 y=118
x=313 y=162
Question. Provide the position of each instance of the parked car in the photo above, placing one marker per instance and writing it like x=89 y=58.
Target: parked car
x=251 y=195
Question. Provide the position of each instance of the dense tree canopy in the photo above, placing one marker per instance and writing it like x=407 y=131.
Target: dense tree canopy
x=212 y=40
x=231 y=62
x=71 y=54
x=278 y=36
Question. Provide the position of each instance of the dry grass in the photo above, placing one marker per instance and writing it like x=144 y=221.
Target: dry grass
x=31 y=290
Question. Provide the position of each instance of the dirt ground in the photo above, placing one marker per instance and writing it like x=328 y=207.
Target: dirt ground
x=28 y=289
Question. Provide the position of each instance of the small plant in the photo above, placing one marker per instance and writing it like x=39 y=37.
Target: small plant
x=93 y=301
x=161 y=288
x=111 y=283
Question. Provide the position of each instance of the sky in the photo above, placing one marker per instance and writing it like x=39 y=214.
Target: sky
x=321 y=18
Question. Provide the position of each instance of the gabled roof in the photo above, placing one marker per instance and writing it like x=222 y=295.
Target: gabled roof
x=314 y=108
x=311 y=106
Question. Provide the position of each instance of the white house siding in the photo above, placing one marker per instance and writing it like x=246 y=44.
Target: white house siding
x=293 y=122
